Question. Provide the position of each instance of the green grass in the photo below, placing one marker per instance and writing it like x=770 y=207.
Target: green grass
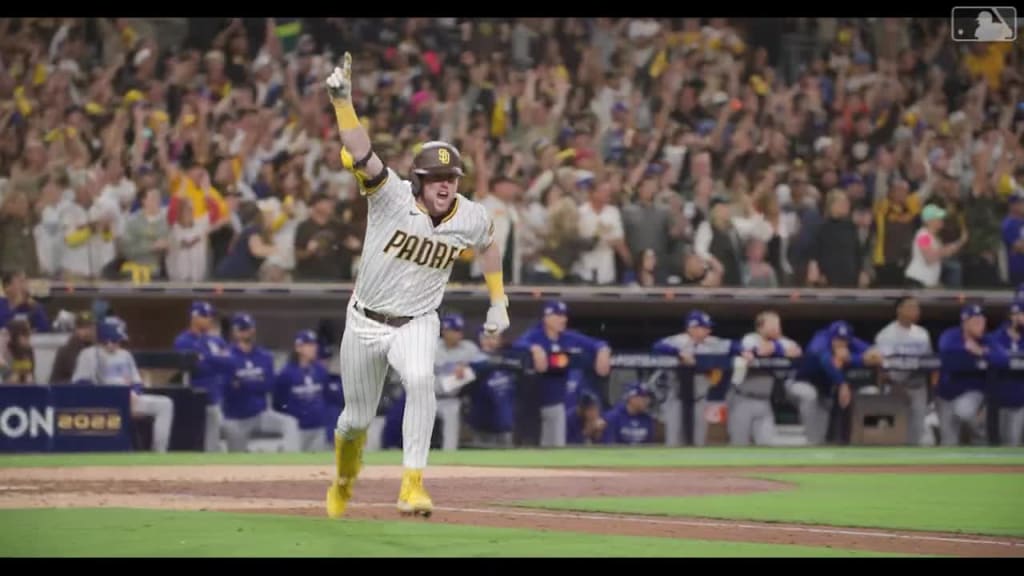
x=587 y=457
x=141 y=533
x=970 y=503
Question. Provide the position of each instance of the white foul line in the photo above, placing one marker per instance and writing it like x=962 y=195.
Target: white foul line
x=710 y=524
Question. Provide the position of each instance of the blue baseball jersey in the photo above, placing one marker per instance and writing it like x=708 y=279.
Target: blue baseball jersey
x=302 y=391
x=961 y=370
x=623 y=428
x=492 y=398
x=714 y=371
x=1010 y=384
x=335 y=402
x=554 y=384
x=250 y=381
x=391 y=435
x=818 y=368
x=32 y=312
x=213 y=364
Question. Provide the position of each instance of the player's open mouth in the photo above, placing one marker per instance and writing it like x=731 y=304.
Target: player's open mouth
x=442 y=194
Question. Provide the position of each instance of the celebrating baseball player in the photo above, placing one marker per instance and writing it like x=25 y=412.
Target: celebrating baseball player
x=416 y=230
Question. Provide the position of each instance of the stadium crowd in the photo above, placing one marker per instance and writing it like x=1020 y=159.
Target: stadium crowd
x=610 y=151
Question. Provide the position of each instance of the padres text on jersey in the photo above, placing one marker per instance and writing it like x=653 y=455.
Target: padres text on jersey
x=408 y=260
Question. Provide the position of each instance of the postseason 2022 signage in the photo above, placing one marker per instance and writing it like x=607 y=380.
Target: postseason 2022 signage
x=65 y=419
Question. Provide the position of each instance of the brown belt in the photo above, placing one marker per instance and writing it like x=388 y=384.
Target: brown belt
x=394 y=321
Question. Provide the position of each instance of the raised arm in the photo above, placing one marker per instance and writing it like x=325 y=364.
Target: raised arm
x=366 y=165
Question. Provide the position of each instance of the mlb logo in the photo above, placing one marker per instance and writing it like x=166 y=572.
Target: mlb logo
x=983 y=24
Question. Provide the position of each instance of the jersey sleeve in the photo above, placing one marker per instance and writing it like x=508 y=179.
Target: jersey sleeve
x=388 y=197
x=85 y=367
x=670 y=345
x=592 y=345
x=483 y=233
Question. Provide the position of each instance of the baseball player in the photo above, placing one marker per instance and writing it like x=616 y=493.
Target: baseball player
x=749 y=403
x=492 y=396
x=1010 y=384
x=245 y=396
x=820 y=378
x=108 y=364
x=301 y=391
x=697 y=341
x=965 y=352
x=584 y=424
x=630 y=421
x=550 y=345
x=904 y=337
x=209 y=373
x=416 y=230
x=452 y=371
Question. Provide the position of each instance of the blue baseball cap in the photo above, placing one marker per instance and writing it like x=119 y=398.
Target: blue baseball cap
x=588 y=398
x=637 y=389
x=242 y=321
x=970 y=311
x=698 y=319
x=556 y=307
x=202 y=308
x=111 y=329
x=305 y=337
x=841 y=330
x=453 y=322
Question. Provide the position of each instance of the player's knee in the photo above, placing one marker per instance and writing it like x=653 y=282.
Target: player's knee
x=419 y=382
x=803 y=392
x=164 y=406
x=353 y=422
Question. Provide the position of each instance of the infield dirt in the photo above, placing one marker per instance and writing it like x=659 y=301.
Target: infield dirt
x=486 y=497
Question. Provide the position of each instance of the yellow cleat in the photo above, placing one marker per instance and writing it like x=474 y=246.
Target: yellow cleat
x=348 y=460
x=338 y=496
x=413 y=498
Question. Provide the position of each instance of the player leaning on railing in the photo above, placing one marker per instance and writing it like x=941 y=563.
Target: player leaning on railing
x=415 y=231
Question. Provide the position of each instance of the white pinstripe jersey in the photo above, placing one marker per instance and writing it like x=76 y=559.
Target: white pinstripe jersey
x=406 y=261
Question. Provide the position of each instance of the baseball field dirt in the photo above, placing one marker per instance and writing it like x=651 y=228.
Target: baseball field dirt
x=486 y=496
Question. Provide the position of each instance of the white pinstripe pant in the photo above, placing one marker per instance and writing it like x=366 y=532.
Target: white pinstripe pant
x=367 y=348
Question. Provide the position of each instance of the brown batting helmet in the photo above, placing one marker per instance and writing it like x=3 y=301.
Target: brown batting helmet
x=437 y=157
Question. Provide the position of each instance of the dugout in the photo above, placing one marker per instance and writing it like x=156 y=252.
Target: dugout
x=630 y=319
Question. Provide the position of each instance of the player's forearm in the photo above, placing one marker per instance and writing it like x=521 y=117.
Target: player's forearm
x=355 y=139
x=490 y=265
